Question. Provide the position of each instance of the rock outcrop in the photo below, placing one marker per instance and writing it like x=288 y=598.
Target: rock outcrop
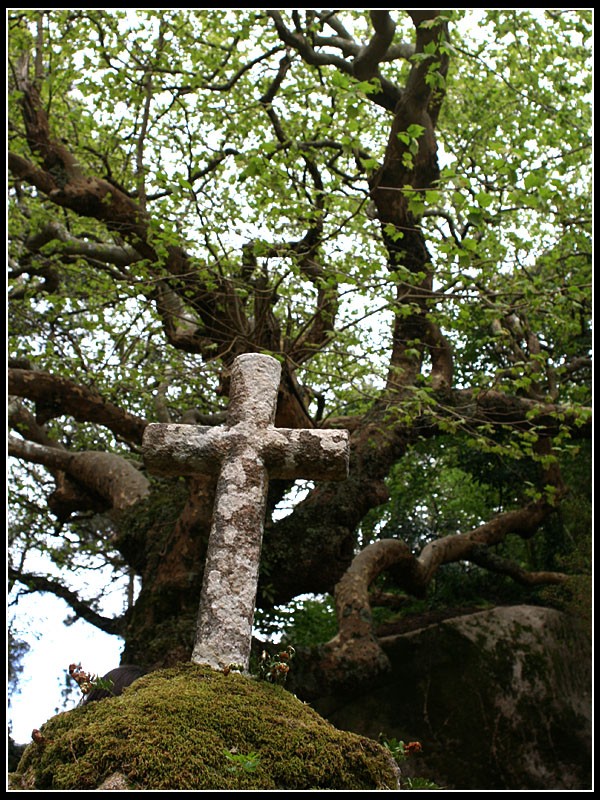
x=499 y=699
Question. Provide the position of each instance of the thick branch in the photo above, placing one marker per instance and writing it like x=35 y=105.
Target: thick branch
x=68 y=496
x=367 y=62
x=356 y=642
x=355 y=647
x=22 y=168
x=352 y=592
x=109 y=476
x=89 y=196
x=411 y=161
x=44 y=269
x=60 y=396
x=418 y=87
x=523 y=522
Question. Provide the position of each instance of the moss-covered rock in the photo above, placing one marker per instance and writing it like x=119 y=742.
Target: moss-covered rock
x=191 y=727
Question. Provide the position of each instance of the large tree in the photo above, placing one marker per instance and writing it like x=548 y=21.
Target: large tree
x=396 y=205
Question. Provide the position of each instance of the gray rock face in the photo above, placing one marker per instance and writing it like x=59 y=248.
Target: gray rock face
x=499 y=699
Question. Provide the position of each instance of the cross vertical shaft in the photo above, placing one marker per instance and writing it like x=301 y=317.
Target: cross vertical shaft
x=232 y=561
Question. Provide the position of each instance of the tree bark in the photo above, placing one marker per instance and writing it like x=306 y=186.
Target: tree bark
x=55 y=396
x=115 y=482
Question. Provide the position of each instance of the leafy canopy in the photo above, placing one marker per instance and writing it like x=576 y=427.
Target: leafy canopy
x=237 y=150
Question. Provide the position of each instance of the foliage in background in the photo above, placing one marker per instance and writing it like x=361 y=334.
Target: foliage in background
x=306 y=621
x=252 y=169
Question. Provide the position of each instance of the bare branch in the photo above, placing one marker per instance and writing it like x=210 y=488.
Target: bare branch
x=41 y=583
x=367 y=61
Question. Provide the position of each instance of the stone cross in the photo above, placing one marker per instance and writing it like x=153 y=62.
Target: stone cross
x=244 y=453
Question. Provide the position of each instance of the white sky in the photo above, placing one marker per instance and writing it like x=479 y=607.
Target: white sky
x=53 y=647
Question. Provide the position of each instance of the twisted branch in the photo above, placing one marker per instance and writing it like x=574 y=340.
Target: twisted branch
x=41 y=583
x=356 y=642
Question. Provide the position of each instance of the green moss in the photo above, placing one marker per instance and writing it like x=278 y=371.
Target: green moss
x=177 y=729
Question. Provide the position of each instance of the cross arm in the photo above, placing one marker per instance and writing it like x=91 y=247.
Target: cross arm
x=183 y=449
x=320 y=455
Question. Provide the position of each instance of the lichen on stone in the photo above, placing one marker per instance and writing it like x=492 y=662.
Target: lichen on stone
x=190 y=727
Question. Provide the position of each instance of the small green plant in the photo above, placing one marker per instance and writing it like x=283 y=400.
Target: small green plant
x=419 y=783
x=87 y=681
x=400 y=753
x=242 y=762
x=102 y=683
x=275 y=668
x=398 y=749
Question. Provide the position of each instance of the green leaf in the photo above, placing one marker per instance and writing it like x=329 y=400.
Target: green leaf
x=484 y=199
x=469 y=244
x=533 y=179
x=415 y=131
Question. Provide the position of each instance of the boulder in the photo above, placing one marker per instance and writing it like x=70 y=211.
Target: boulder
x=499 y=699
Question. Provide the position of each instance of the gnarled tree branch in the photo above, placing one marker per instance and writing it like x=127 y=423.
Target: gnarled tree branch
x=356 y=643
x=41 y=583
x=58 y=396
x=116 y=482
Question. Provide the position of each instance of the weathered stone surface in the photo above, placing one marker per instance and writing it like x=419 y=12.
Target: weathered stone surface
x=116 y=782
x=500 y=699
x=192 y=728
x=245 y=453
